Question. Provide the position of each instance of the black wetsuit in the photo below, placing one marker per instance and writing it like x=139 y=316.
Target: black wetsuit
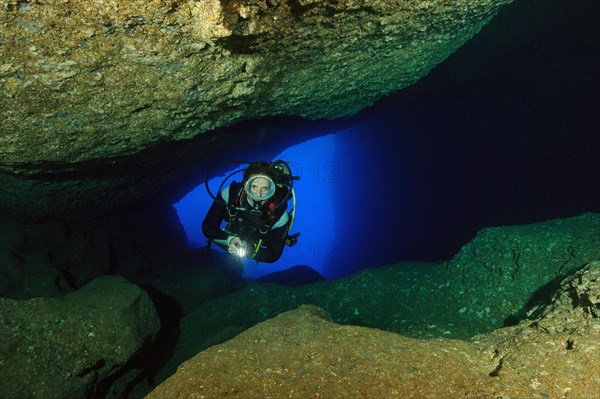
x=273 y=241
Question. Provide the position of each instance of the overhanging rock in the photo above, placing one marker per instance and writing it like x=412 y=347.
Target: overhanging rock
x=83 y=85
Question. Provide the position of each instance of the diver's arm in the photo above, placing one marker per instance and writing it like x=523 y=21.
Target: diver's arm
x=211 y=226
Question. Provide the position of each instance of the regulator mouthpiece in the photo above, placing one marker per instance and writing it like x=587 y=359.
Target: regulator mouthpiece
x=260 y=187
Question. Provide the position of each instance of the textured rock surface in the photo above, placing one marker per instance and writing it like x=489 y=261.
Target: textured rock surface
x=577 y=299
x=69 y=347
x=85 y=81
x=556 y=355
x=83 y=85
x=417 y=299
x=505 y=271
x=148 y=248
x=55 y=259
x=301 y=354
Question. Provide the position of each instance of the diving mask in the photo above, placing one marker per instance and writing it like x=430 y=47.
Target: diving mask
x=260 y=187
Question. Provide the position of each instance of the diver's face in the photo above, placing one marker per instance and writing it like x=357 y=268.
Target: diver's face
x=260 y=187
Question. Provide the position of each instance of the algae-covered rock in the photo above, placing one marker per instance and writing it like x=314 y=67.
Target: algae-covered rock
x=557 y=353
x=577 y=300
x=69 y=347
x=82 y=81
x=504 y=271
x=302 y=353
x=476 y=292
x=84 y=86
x=147 y=247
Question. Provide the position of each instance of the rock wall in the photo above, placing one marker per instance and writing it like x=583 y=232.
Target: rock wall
x=70 y=347
x=53 y=259
x=476 y=292
x=302 y=353
x=83 y=86
x=505 y=272
x=69 y=331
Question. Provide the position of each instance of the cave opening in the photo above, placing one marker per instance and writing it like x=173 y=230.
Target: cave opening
x=418 y=174
x=502 y=133
x=313 y=162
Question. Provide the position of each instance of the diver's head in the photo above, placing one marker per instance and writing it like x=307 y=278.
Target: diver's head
x=260 y=187
x=258 y=181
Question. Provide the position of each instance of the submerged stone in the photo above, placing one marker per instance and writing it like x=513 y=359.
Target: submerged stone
x=70 y=347
x=302 y=353
x=79 y=95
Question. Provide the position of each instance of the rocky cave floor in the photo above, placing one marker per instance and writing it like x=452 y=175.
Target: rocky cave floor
x=113 y=308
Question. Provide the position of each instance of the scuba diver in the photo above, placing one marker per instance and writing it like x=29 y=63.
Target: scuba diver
x=255 y=212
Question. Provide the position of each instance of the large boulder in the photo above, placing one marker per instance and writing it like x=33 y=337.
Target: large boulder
x=85 y=86
x=504 y=272
x=476 y=292
x=75 y=346
x=556 y=354
x=302 y=353
x=577 y=299
x=148 y=247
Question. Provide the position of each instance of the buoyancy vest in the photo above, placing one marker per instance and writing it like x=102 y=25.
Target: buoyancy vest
x=253 y=222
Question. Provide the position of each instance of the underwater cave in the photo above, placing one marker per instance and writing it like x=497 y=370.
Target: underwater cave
x=442 y=219
x=496 y=135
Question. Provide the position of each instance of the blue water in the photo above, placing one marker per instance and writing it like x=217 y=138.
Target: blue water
x=315 y=219
x=503 y=132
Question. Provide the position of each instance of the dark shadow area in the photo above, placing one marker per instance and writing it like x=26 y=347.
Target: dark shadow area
x=533 y=309
x=154 y=353
x=503 y=132
x=293 y=277
x=136 y=362
x=170 y=312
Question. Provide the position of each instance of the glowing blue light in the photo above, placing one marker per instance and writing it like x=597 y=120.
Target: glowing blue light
x=315 y=217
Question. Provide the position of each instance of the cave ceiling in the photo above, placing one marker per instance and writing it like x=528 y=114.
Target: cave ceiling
x=107 y=103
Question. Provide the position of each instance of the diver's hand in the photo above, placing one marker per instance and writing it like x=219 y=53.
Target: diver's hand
x=237 y=247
